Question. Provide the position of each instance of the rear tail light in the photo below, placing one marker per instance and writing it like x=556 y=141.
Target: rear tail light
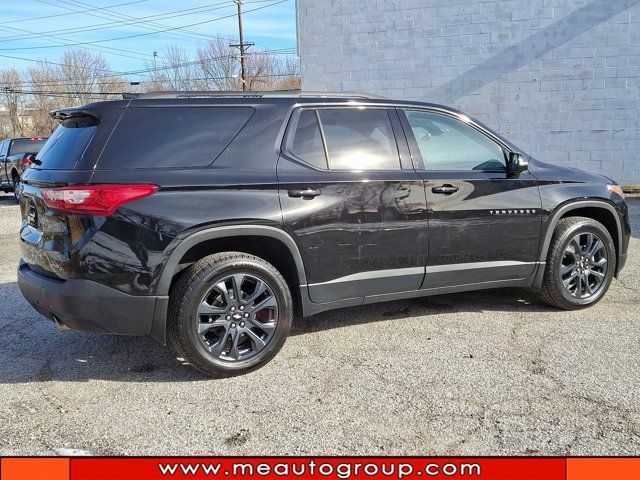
x=100 y=200
x=26 y=160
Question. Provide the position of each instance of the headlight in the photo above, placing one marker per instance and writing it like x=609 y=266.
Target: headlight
x=617 y=189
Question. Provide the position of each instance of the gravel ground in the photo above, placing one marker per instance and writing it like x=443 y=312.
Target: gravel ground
x=481 y=373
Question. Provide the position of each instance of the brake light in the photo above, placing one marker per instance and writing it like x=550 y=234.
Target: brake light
x=100 y=200
x=26 y=161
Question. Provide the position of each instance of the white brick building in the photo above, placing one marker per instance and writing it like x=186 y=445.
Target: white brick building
x=560 y=78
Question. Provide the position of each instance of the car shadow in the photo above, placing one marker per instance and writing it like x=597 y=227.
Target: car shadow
x=634 y=214
x=33 y=350
x=502 y=300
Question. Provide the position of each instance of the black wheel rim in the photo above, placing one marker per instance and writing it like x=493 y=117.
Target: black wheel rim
x=237 y=317
x=584 y=265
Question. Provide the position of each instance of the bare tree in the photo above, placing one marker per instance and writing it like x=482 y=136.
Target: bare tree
x=12 y=98
x=47 y=94
x=175 y=71
x=271 y=72
x=219 y=65
x=83 y=73
x=81 y=77
x=289 y=75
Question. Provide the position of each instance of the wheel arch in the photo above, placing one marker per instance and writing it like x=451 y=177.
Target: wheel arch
x=599 y=210
x=172 y=266
x=270 y=243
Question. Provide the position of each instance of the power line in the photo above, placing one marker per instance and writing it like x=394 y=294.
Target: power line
x=131 y=20
x=182 y=32
x=95 y=49
x=140 y=34
x=52 y=82
x=109 y=50
x=73 y=94
x=20 y=20
x=56 y=63
x=145 y=20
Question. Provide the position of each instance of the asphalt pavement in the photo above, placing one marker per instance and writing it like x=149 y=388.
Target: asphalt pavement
x=481 y=373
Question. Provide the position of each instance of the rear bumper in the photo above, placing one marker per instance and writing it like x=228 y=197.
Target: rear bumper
x=89 y=306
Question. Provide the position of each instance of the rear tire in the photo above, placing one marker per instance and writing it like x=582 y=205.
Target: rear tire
x=229 y=313
x=580 y=264
x=16 y=188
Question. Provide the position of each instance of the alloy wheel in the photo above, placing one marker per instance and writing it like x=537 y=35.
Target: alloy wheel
x=237 y=317
x=584 y=265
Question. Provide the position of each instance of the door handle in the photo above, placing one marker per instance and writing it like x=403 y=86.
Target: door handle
x=308 y=193
x=445 y=189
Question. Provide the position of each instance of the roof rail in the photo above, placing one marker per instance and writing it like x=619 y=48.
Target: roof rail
x=247 y=94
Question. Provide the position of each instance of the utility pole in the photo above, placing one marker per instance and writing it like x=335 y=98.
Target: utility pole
x=243 y=47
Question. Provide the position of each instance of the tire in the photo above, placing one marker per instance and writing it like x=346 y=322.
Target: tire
x=16 y=187
x=201 y=316
x=573 y=279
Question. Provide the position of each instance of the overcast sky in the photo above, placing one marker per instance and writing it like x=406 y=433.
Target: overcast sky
x=271 y=26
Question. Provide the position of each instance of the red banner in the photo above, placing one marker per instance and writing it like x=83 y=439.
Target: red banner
x=318 y=468
x=329 y=468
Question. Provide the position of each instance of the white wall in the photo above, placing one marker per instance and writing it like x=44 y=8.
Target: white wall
x=560 y=78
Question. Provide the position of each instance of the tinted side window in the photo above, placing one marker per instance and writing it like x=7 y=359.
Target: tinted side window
x=3 y=148
x=172 y=136
x=307 y=140
x=449 y=144
x=359 y=139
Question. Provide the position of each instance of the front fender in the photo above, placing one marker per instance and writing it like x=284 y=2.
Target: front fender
x=561 y=210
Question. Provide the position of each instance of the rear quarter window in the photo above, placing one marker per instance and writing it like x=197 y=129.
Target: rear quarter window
x=152 y=137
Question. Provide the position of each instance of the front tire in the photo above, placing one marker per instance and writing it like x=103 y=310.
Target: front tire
x=580 y=264
x=229 y=313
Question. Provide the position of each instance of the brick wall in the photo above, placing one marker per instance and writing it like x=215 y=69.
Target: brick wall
x=560 y=78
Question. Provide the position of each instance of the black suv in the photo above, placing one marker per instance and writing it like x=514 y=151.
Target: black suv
x=211 y=220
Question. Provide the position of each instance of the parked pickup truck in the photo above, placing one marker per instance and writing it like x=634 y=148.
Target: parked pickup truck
x=14 y=158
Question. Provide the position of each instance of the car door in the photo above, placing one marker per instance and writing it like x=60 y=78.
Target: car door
x=484 y=221
x=357 y=216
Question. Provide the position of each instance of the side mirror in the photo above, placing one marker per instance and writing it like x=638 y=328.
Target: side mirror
x=517 y=163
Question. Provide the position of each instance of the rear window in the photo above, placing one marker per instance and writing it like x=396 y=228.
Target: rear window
x=65 y=148
x=172 y=136
x=26 y=145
